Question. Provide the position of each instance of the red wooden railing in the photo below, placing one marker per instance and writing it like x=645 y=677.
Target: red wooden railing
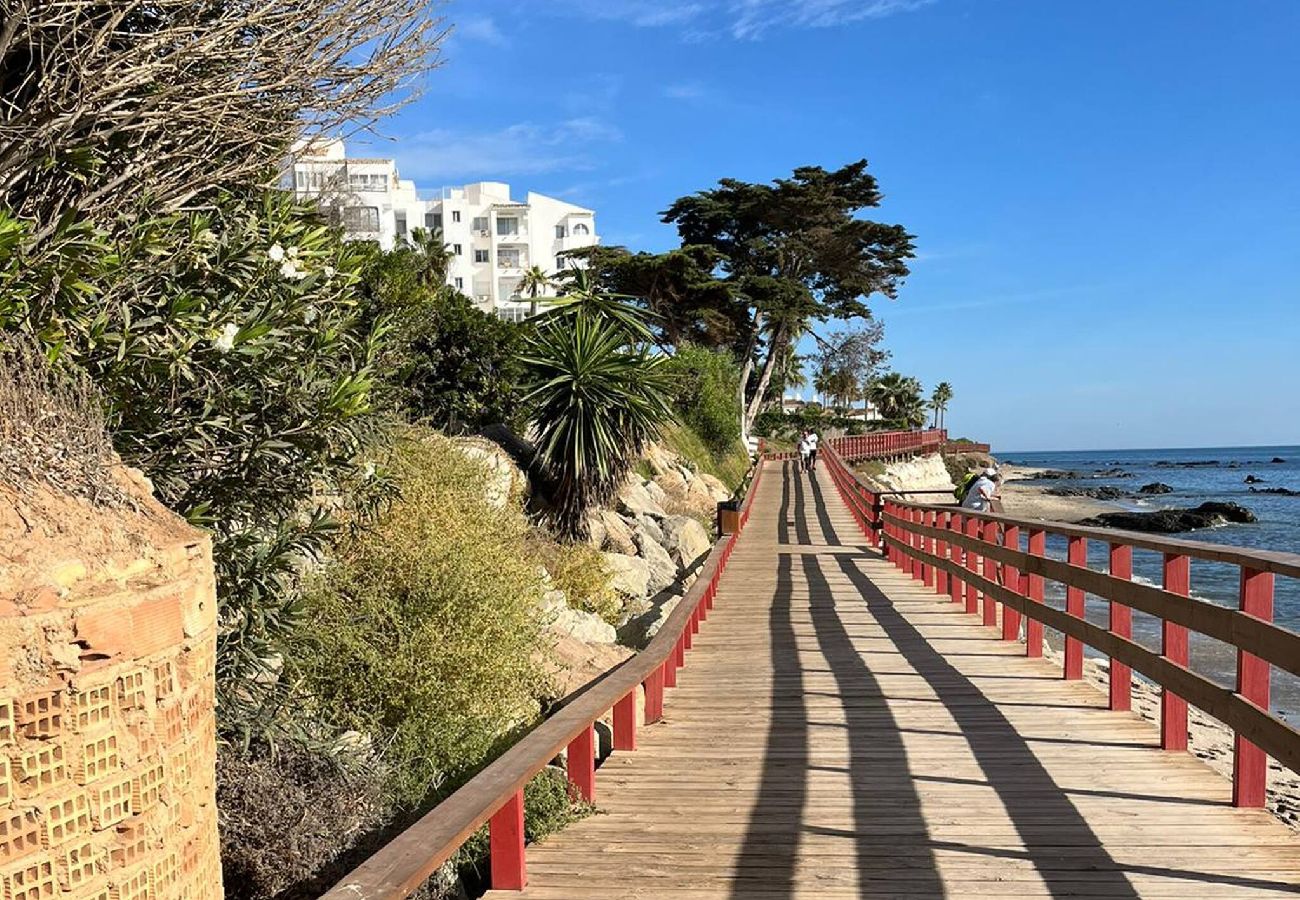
x=959 y=552
x=884 y=444
x=496 y=795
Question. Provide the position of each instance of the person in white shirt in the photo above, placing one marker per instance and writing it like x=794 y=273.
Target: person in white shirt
x=804 y=449
x=812 y=450
x=983 y=491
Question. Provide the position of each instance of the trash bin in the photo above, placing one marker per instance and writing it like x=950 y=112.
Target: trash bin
x=728 y=517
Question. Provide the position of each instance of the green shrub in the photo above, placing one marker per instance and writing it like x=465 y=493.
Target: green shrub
x=424 y=632
x=705 y=386
x=579 y=570
x=236 y=370
x=729 y=467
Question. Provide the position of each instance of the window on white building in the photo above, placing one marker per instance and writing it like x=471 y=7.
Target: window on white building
x=561 y=231
x=480 y=223
x=456 y=248
x=361 y=218
x=300 y=180
x=455 y=215
x=460 y=283
x=581 y=228
x=433 y=220
x=512 y=313
x=508 y=259
x=480 y=256
x=508 y=225
x=401 y=223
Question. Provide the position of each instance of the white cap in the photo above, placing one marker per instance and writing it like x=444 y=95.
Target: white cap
x=991 y=471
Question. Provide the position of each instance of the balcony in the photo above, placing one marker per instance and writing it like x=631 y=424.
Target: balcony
x=519 y=237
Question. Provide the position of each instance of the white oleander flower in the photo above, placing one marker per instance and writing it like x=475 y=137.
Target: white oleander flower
x=225 y=341
x=293 y=252
x=289 y=269
x=369 y=471
x=309 y=315
x=329 y=271
x=275 y=252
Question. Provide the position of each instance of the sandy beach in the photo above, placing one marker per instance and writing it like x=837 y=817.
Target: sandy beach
x=1031 y=501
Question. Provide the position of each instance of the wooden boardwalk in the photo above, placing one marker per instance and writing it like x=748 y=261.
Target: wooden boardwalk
x=840 y=731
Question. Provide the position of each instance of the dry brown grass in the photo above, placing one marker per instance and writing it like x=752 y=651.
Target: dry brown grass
x=52 y=429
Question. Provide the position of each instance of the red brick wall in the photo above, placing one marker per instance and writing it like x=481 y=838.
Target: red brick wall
x=107 y=736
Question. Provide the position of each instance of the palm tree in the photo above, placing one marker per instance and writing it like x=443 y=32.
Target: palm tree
x=434 y=255
x=939 y=401
x=534 y=282
x=898 y=397
x=596 y=401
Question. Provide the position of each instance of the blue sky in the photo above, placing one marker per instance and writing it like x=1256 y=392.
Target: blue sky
x=1106 y=195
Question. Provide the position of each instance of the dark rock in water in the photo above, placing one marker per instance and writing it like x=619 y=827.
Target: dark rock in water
x=1233 y=465
x=1056 y=475
x=1277 y=459
x=1281 y=492
x=1097 y=493
x=1194 y=464
x=1252 y=479
x=1173 y=521
x=1113 y=473
x=1155 y=487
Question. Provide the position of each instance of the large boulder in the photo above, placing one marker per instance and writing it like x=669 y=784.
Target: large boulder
x=586 y=627
x=652 y=527
x=660 y=459
x=1155 y=487
x=661 y=570
x=629 y=575
x=672 y=482
x=634 y=500
x=617 y=533
x=719 y=490
x=507 y=483
x=686 y=540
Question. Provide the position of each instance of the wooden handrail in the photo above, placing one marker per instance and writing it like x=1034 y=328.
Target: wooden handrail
x=956 y=550
x=495 y=795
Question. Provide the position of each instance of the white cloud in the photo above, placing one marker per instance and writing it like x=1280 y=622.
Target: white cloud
x=525 y=148
x=686 y=90
x=741 y=19
x=752 y=18
x=483 y=29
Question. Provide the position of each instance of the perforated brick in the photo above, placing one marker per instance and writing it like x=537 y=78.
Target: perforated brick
x=40 y=715
x=130 y=844
x=110 y=800
x=170 y=724
x=32 y=879
x=146 y=788
x=65 y=818
x=42 y=768
x=164 y=875
x=97 y=757
x=97 y=890
x=164 y=679
x=131 y=693
x=93 y=707
x=6 y=781
x=6 y=722
x=20 y=834
x=132 y=885
x=77 y=864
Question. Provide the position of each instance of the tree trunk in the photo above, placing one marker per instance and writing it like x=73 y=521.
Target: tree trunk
x=746 y=370
x=769 y=364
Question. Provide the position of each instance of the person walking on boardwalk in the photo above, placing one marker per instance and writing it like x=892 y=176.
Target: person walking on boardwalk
x=805 y=448
x=812 y=450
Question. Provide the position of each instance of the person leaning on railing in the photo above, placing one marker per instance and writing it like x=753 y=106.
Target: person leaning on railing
x=985 y=495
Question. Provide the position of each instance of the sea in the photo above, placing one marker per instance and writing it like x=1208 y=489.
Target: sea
x=1196 y=476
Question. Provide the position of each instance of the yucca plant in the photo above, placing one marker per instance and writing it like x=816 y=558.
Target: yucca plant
x=596 y=400
x=581 y=298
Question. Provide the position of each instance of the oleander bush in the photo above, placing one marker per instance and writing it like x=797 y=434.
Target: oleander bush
x=423 y=633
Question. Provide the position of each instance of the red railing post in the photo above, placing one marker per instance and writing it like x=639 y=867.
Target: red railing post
x=877 y=508
x=1121 y=625
x=941 y=551
x=972 y=565
x=1249 y=763
x=955 y=591
x=675 y=660
x=1076 y=555
x=506 y=846
x=914 y=542
x=1036 y=593
x=1011 y=580
x=625 y=722
x=1173 y=646
x=581 y=764
x=989 y=570
x=927 y=570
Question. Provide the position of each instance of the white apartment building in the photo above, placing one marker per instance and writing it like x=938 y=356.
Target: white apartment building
x=492 y=238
